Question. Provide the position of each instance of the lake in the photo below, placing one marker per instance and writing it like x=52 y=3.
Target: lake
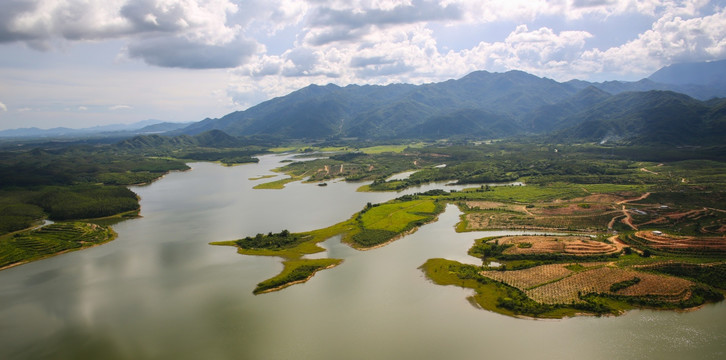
x=160 y=291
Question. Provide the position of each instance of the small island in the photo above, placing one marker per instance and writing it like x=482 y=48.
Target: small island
x=374 y=226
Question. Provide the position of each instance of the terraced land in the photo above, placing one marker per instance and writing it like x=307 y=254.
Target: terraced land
x=569 y=245
x=50 y=240
x=696 y=245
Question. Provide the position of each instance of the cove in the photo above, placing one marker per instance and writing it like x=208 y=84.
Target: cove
x=159 y=291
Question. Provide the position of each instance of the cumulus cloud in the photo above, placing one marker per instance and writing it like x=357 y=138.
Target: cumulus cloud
x=174 y=28
x=3 y=107
x=671 y=39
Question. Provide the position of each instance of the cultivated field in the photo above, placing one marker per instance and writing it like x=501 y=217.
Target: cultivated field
x=50 y=240
x=555 y=284
x=684 y=244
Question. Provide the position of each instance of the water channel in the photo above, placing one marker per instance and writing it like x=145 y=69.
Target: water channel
x=160 y=291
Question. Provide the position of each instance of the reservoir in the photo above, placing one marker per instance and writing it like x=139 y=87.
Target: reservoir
x=159 y=291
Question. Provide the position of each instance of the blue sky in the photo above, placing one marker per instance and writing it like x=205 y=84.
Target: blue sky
x=80 y=63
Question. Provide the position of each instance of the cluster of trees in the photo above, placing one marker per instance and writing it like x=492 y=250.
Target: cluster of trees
x=21 y=208
x=85 y=201
x=700 y=295
x=373 y=237
x=17 y=215
x=713 y=275
x=283 y=239
x=484 y=249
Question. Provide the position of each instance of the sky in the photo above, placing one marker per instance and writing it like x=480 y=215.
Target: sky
x=83 y=63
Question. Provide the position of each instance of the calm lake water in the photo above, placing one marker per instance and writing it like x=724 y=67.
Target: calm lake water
x=160 y=291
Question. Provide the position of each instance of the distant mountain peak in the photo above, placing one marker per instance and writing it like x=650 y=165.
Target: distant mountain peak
x=702 y=73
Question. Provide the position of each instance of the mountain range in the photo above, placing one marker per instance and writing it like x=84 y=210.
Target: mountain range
x=664 y=108
x=682 y=104
x=117 y=130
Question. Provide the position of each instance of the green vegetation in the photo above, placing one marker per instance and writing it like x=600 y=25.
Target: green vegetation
x=71 y=182
x=29 y=245
x=295 y=271
x=277 y=184
x=261 y=177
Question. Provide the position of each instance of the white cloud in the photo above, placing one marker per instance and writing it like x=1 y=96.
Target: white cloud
x=82 y=108
x=3 y=107
x=671 y=39
x=120 y=107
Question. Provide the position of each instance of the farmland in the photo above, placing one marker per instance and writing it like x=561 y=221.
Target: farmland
x=589 y=213
x=17 y=248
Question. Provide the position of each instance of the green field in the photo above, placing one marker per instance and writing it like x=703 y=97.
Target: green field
x=398 y=215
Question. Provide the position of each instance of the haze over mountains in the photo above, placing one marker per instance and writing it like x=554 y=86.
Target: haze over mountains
x=138 y=128
x=682 y=104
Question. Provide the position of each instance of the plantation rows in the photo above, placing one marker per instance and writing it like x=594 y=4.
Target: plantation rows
x=529 y=278
x=568 y=289
x=49 y=240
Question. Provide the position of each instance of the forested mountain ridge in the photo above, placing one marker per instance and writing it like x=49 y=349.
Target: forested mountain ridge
x=487 y=105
